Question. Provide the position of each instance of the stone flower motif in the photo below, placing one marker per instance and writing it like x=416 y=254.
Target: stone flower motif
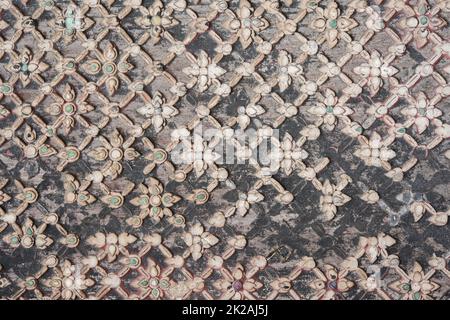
x=375 y=21
x=288 y=70
x=27 y=195
x=156 y=156
x=151 y=282
x=158 y=111
x=110 y=64
x=203 y=70
x=119 y=274
x=438 y=218
x=372 y=247
x=288 y=153
x=156 y=19
x=247 y=23
x=116 y=150
x=415 y=285
x=374 y=71
x=331 y=23
x=76 y=192
x=422 y=111
x=422 y=21
x=110 y=244
x=198 y=240
x=200 y=154
x=153 y=202
x=29 y=235
x=330 y=69
x=328 y=110
x=71 y=21
x=330 y=283
x=238 y=284
x=69 y=281
x=25 y=66
x=184 y=289
x=375 y=151
x=34 y=144
x=69 y=109
x=332 y=197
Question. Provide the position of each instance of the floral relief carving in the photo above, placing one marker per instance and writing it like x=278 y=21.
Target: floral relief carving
x=243 y=150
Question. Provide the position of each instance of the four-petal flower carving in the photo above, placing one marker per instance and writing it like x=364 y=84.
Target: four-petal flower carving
x=422 y=21
x=329 y=109
x=423 y=112
x=415 y=285
x=330 y=283
x=332 y=24
x=158 y=111
x=203 y=70
x=153 y=202
x=248 y=23
x=26 y=66
x=374 y=71
x=112 y=66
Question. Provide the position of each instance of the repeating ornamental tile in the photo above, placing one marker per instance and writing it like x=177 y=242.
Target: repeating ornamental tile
x=228 y=149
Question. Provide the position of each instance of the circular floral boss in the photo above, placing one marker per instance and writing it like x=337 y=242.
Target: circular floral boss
x=30 y=195
x=116 y=154
x=159 y=156
x=31 y=151
x=109 y=68
x=69 y=108
x=178 y=220
x=5 y=88
x=200 y=196
x=134 y=261
x=30 y=283
x=72 y=154
x=27 y=242
x=70 y=65
x=92 y=67
x=72 y=240
x=116 y=201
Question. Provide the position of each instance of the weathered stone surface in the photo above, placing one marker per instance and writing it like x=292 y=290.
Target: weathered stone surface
x=96 y=98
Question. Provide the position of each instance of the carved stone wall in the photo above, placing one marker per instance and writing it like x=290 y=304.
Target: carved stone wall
x=109 y=190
